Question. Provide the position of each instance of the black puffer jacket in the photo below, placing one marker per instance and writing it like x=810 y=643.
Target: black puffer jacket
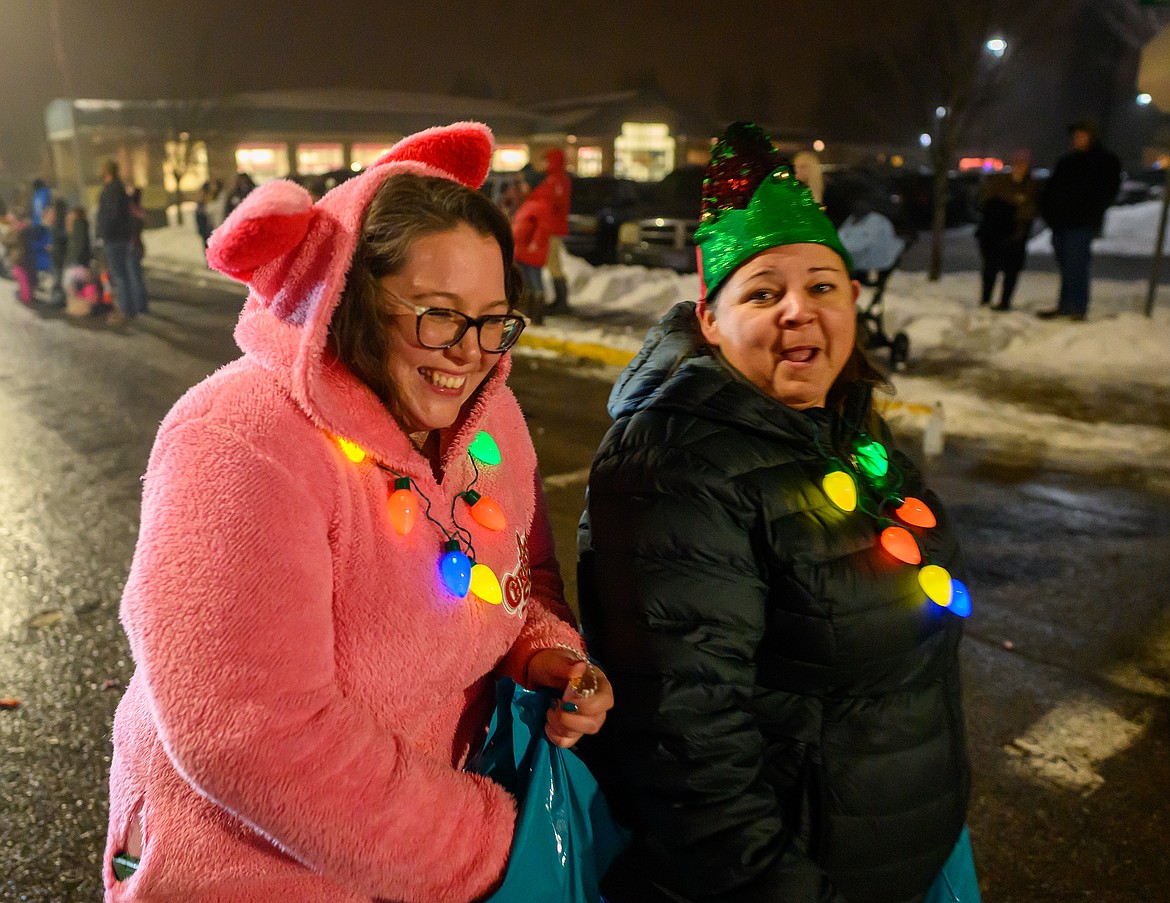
x=1081 y=188
x=788 y=723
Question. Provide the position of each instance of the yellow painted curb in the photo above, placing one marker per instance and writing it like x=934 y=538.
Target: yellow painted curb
x=615 y=357
x=885 y=406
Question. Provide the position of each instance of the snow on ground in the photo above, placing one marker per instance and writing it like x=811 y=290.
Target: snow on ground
x=1130 y=230
x=1118 y=351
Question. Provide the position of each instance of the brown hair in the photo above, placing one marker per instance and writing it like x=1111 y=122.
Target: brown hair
x=406 y=208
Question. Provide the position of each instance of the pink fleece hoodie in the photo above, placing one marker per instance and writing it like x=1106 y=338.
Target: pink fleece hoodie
x=307 y=690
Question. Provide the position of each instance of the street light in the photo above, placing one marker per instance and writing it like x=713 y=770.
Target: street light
x=1144 y=100
x=997 y=47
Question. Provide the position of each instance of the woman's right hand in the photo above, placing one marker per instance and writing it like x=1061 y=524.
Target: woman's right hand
x=579 y=712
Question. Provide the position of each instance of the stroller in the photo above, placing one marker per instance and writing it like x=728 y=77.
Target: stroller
x=870 y=318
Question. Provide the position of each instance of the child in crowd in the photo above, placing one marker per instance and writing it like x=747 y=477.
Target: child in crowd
x=81 y=289
x=18 y=249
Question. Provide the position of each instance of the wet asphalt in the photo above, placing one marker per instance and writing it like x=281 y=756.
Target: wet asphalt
x=1066 y=663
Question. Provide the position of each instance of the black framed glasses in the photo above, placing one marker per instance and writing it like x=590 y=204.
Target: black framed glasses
x=442 y=327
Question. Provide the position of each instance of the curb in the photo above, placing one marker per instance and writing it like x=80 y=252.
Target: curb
x=614 y=357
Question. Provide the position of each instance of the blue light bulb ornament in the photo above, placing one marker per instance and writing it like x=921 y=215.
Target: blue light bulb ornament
x=456 y=569
x=960 y=599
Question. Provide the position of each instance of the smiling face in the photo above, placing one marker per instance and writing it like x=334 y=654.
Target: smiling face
x=786 y=320
x=459 y=269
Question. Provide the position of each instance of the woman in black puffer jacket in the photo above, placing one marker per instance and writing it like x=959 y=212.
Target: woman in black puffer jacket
x=790 y=726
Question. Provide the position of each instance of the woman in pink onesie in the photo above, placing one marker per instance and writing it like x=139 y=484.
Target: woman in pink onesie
x=343 y=546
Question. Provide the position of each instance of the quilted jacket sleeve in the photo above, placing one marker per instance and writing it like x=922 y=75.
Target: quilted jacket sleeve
x=229 y=611
x=673 y=598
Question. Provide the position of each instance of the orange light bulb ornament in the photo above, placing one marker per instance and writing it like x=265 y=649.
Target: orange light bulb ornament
x=914 y=511
x=485 y=511
x=403 y=507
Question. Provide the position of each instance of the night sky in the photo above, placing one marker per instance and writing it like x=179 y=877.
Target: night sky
x=827 y=67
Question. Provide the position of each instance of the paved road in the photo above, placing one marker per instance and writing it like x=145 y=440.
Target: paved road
x=1067 y=663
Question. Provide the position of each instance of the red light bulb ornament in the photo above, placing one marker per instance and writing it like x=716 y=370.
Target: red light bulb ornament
x=900 y=543
x=485 y=511
x=403 y=507
x=455 y=568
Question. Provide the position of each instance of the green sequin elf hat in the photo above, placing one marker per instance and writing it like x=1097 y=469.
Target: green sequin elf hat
x=752 y=202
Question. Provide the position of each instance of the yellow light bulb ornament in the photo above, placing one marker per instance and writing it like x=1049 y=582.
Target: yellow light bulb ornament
x=485 y=584
x=352 y=450
x=937 y=584
x=840 y=489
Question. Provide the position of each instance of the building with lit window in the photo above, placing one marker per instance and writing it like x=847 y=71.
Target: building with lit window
x=170 y=148
x=637 y=134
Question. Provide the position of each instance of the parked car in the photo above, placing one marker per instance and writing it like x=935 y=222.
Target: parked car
x=1143 y=185
x=906 y=196
x=661 y=232
x=599 y=205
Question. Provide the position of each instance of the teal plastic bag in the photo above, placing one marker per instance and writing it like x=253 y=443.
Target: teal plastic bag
x=566 y=837
x=956 y=883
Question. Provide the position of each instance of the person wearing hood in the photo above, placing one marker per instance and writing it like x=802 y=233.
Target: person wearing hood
x=557 y=190
x=343 y=545
x=776 y=596
x=532 y=228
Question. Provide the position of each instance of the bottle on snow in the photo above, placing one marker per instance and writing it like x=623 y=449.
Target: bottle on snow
x=934 y=436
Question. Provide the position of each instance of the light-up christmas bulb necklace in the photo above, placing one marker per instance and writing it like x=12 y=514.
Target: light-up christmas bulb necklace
x=458 y=569
x=869 y=468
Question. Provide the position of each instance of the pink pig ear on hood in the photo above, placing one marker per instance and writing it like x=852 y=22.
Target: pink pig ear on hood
x=269 y=223
x=462 y=151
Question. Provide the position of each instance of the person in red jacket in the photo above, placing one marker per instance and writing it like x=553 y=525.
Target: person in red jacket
x=532 y=231
x=559 y=191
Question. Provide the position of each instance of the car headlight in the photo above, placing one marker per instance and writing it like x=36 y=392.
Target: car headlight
x=629 y=233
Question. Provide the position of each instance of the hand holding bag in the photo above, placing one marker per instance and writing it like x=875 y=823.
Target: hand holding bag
x=565 y=837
